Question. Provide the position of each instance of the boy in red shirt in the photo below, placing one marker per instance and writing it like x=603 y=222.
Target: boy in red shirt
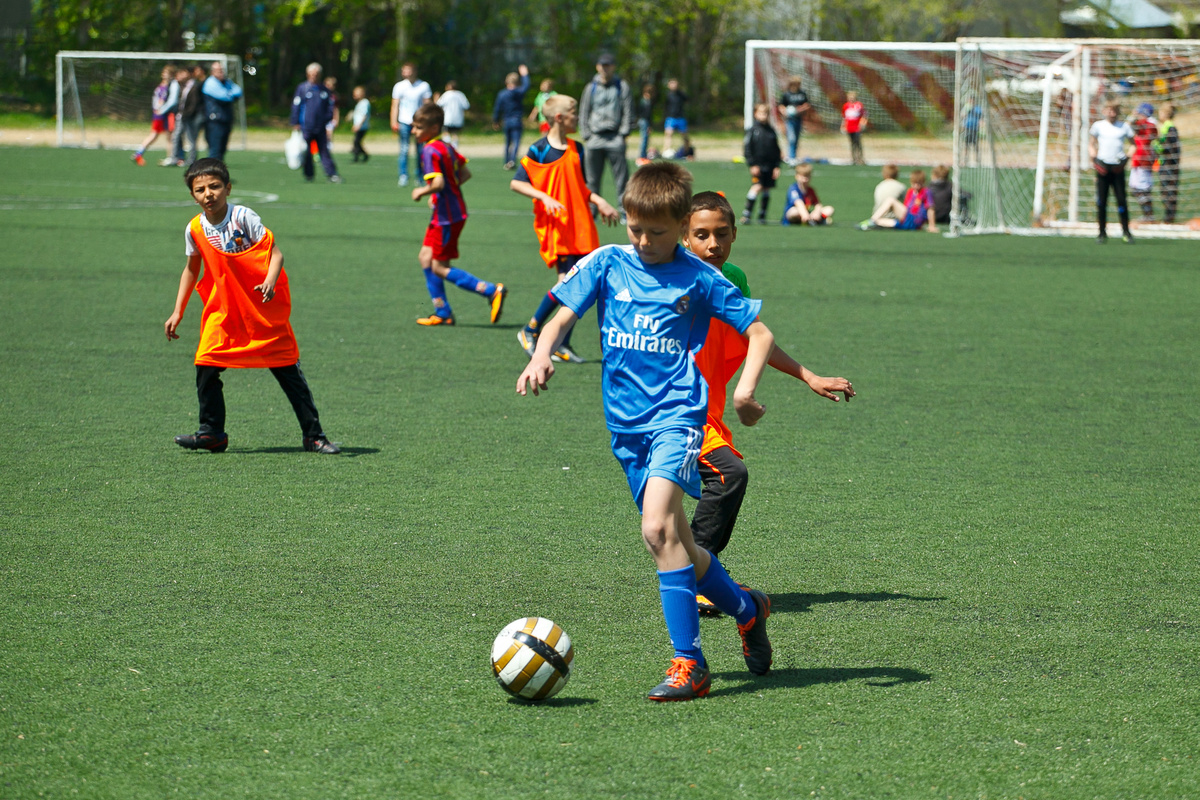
x=912 y=213
x=445 y=170
x=1141 y=175
x=854 y=122
x=247 y=306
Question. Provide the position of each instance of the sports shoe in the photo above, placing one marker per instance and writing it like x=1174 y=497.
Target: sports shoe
x=528 y=340
x=434 y=319
x=1102 y=239
x=706 y=607
x=403 y=180
x=138 y=159
x=1127 y=238
x=755 y=646
x=335 y=179
x=564 y=353
x=167 y=162
x=319 y=444
x=497 y=301
x=686 y=680
x=868 y=225
x=212 y=442
x=744 y=219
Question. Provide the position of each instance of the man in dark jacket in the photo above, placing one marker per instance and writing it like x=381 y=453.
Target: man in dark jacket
x=312 y=109
x=761 y=151
x=605 y=119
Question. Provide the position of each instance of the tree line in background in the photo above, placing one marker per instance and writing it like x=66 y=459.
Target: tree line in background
x=477 y=42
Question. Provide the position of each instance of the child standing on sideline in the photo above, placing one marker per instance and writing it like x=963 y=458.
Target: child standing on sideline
x=675 y=119
x=445 y=170
x=645 y=118
x=803 y=205
x=538 y=114
x=655 y=300
x=161 y=121
x=761 y=150
x=454 y=106
x=551 y=173
x=710 y=235
x=1141 y=173
x=360 y=123
x=509 y=111
x=912 y=213
x=854 y=122
x=1166 y=147
x=246 y=309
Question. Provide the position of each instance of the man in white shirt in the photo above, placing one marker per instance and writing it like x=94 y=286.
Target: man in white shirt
x=1107 y=149
x=407 y=97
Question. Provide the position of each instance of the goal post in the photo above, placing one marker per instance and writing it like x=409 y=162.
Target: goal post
x=97 y=90
x=1024 y=110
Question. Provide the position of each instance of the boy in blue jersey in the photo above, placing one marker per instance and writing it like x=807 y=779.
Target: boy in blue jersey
x=655 y=300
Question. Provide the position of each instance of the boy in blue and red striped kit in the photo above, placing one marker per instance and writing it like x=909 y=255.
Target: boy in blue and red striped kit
x=445 y=170
x=912 y=213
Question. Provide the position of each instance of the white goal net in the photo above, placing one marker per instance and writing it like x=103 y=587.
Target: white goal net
x=104 y=98
x=1025 y=108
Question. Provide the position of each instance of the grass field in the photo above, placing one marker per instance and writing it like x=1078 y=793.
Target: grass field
x=983 y=568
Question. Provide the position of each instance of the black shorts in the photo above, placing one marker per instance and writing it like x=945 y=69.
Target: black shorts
x=765 y=178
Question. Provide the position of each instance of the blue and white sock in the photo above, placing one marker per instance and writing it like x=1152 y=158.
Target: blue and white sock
x=725 y=594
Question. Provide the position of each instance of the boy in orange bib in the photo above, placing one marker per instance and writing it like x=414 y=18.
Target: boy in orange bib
x=551 y=174
x=710 y=234
x=246 y=309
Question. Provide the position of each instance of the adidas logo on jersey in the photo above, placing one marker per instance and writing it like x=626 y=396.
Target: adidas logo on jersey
x=624 y=296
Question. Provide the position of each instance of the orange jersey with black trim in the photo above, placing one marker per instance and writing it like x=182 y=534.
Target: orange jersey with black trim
x=719 y=359
x=237 y=329
x=572 y=232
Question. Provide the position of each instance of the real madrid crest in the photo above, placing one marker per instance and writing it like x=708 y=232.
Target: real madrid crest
x=681 y=305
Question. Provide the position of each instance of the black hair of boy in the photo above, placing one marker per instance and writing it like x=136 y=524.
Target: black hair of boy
x=207 y=167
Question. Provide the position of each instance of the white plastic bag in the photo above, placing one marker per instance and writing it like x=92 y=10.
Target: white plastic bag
x=293 y=150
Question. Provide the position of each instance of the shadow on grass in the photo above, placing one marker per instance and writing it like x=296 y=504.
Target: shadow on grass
x=347 y=452
x=553 y=702
x=801 y=678
x=801 y=602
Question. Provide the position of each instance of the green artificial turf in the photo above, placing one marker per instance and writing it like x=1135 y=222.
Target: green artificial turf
x=983 y=568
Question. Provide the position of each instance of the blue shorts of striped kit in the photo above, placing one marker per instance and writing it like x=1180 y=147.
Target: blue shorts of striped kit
x=671 y=453
x=675 y=124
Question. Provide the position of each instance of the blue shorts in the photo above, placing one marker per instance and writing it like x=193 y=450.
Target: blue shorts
x=911 y=222
x=671 y=453
x=675 y=124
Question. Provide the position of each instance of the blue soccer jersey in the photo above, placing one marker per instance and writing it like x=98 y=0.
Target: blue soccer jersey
x=653 y=319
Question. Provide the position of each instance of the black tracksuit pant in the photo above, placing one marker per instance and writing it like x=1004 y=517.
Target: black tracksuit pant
x=210 y=391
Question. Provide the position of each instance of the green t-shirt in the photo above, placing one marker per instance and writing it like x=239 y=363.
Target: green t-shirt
x=735 y=276
x=540 y=101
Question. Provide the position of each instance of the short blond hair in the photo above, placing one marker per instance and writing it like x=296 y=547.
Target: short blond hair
x=804 y=169
x=890 y=171
x=558 y=104
x=917 y=176
x=941 y=172
x=659 y=189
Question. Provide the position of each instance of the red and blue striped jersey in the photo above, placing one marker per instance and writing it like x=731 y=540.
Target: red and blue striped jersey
x=440 y=158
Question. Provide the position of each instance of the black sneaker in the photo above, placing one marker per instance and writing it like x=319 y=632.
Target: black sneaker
x=686 y=680
x=1102 y=239
x=756 y=647
x=319 y=444
x=212 y=442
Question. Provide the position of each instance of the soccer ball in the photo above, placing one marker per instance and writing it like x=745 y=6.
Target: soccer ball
x=531 y=658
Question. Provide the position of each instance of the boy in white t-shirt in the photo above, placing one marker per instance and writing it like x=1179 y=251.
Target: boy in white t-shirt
x=407 y=96
x=454 y=105
x=1106 y=146
x=360 y=123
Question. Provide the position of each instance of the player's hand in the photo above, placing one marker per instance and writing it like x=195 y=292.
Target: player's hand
x=775 y=173
x=754 y=171
x=268 y=291
x=827 y=386
x=607 y=212
x=395 y=127
x=535 y=375
x=749 y=410
x=554 y=207
x=418 y=193
x=171 y=324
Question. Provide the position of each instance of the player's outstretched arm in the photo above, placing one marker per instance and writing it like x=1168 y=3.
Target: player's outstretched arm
x=526 y=188
x=607 y=212
x=539 y=370
x=267 y=287
x=826 y=387
x=187 y=282
x=760 y=344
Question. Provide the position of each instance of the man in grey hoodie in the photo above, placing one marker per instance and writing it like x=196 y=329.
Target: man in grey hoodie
x=605 y=119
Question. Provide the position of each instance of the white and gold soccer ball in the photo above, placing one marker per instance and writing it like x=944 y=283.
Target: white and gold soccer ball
x=531 y=658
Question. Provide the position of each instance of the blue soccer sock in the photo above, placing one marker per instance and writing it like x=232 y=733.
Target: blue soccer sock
x=544 y=310
x=468 y=282
x=437 y=292
x=678 y=590
x=726 y=595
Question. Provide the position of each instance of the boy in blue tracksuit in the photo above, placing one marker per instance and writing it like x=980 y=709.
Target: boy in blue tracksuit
x=312 y=110
x=509 y=111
